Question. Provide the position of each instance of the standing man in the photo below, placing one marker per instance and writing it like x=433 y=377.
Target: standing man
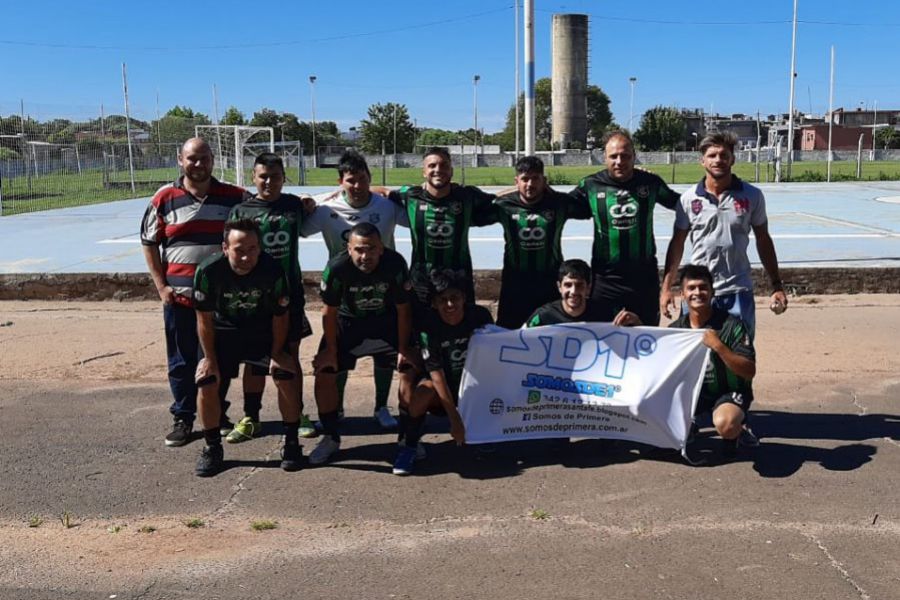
x=242 y=299
x=279 y=217
x=718 y=214
x=726 y=391
x=440 y=214
x=182 y=227
x=366 y=296
x=620 y=201
x=532 y=218
x=334 y=218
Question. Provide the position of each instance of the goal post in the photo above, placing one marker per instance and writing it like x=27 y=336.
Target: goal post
x=229 y=142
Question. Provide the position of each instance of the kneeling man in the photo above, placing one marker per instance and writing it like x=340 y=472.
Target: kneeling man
x=726 y=391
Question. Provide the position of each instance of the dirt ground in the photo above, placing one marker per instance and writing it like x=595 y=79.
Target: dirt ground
x=812 y=513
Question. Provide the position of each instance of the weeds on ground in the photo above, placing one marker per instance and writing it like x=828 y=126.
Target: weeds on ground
x=35 y=521
x=263 y=525
x=539 y=514
x=194 y=523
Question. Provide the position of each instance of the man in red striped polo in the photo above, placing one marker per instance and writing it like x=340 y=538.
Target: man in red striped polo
x=182 y=226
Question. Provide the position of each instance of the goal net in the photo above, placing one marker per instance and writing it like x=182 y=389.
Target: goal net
x=235 y=147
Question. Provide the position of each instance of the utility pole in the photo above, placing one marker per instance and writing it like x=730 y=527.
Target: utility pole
x=312 y=100
x=790 y=140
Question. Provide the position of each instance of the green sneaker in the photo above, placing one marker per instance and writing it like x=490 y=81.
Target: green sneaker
x=244 y=431
x=307 y=429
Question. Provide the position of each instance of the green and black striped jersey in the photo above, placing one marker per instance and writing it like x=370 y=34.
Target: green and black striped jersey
x=533 y=232
x=439 y=228
x=359 y=295
x=444 y=346
x=719 y=379
x=623 y=217
x=279 y=225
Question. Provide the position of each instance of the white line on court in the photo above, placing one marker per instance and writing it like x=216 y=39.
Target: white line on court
x=834 y=221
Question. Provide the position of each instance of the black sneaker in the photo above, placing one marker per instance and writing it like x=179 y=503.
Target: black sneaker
x=225 y=426
x=291 y=457
x=748 y=439
x=181 y=433
x=211 y=461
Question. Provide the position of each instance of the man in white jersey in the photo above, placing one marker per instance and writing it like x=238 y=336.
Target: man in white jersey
x=333 y=219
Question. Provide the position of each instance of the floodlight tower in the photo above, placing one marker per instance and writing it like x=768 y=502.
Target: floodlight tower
x=631 y=82
x=312 y=100
x=475 y=81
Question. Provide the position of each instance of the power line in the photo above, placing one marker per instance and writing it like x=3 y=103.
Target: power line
x=305 y=41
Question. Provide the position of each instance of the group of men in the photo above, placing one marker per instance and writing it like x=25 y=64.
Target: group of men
x=239 y=299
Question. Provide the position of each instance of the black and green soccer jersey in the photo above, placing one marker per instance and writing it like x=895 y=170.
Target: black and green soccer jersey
x=242 y=302
x=719 y=379
x=359 y=295
x=440 y=231
x=533 y=232
x=553 y=313
x=279 y=224
x=623 y=217
x=444 y=346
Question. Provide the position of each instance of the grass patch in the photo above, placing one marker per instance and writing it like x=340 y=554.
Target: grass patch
x=263 y=525
x=115 y=528
x=194 y=523
x=67 y=519
x=539 y=514
x=35 y=521
x=64 y=190
x=147 y=529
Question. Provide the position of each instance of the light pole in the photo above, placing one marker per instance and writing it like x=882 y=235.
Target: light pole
x=790 y=141
x=312 y=100
x=631 y=82
x=394 y=153
x=281 y=126
x=475 y=81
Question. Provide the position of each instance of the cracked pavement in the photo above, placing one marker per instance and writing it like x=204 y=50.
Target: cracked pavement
x=812 y=513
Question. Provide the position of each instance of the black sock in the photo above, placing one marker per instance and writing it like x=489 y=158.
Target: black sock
x=252 y=405
x=414 y=429
x=330 y=424
x=290 y=432
x=212 y=437
x=402 y=422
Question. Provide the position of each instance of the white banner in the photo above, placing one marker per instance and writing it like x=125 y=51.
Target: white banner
x=582 y=380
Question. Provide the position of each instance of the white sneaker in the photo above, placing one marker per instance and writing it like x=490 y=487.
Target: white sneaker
x=323 y=451
x=384 y=418
x=421 y=453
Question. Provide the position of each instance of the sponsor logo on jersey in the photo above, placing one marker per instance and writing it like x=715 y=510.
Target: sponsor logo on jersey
x=374 y=218
x=696 y=206
x=199 y=296
x=741 y=206
x=532 y=238
x=439 y=234
x=623 y=215
x=381 y=287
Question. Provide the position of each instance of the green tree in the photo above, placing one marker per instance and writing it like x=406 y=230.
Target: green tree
x=599 y=117
x=662 y=128
x=265 y=117
x=887 y=137
x=437 y=137
x=379 y=128
x=233 y=116
x=177 y=126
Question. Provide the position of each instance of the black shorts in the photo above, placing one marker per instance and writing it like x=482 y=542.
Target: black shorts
x=371 y=336
x=234 y=347
x=709 y=404
x=634 y=288
x=299 y=327
x=520 y=296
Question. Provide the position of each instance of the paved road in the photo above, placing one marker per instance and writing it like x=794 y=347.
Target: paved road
x=813 y=513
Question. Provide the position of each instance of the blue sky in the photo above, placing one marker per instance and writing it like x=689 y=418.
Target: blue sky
x=64 y=58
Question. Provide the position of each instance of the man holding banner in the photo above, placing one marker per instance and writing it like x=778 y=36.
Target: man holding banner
x=726 y=391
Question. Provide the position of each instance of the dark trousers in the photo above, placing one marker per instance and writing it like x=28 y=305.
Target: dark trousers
x=635 y=289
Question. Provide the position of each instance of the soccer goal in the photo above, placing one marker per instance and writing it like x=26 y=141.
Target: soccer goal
x=231 y=144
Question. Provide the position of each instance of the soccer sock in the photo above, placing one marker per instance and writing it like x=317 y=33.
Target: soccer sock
x=253 y=404
x=212 y=437
x=341 y=386
x=414 y=430
x=330 y=424
x=402 y=422
x=290 y=432
x=383 y=378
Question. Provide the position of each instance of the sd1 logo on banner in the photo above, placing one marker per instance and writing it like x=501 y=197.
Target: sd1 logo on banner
x=582 y=380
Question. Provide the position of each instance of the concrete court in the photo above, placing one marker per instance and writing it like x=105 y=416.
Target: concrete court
x=813 y=513
x=837 y=224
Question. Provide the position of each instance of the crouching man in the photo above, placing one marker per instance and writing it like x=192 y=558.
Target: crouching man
x=726 y=391
x=242 y=298
x=444 y=339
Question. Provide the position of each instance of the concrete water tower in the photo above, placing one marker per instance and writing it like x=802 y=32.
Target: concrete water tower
x=569 y=48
